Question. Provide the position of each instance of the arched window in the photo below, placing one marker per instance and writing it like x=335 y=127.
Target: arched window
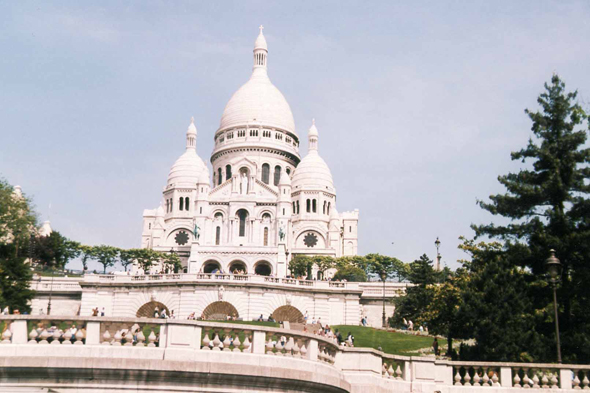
x=277 y=175
x=219 y=177
x=181 y=203
x=217 y=235
x=297 y=207
x=243 y=215
x=265 y=173
x=227 y=172
x=167 y=206
x=288 y=171
x=308 y=205
x=171 y=204
x=186 y=204
x=266 y=236
x=294 y=208
x=314 y=206
x=328 y=207
x=324 y=211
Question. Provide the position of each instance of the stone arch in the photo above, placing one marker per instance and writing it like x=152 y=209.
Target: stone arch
x=220 y=311
x=210 y=265
x=266 y=211
x=287 y=313
x=263 y=268
x=147 y=310
x=237 y=264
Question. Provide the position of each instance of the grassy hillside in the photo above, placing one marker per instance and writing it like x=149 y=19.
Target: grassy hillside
x=390 y=342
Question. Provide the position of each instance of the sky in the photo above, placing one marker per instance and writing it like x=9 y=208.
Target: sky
x=418 y=104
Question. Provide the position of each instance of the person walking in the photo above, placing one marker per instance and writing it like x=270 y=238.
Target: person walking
x=435 y=347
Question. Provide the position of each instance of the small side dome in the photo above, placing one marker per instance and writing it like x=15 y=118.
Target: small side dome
x=187 y=169
x=313 y=172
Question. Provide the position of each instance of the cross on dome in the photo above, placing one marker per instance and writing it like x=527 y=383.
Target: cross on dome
x=261 y=28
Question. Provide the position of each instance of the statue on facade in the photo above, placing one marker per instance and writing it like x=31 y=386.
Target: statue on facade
x=196 y=231
x=281 y=233
x=220 y=293
x=244 y=183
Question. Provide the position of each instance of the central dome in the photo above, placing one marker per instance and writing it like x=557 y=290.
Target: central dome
x=258 y=101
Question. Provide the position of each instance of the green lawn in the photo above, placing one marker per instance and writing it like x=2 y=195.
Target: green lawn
x=390 y=342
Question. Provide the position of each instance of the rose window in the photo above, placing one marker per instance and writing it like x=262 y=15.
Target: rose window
x=181 y=238
x=310 y=240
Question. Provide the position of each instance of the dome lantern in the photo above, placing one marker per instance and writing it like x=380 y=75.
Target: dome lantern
x=260 y=51
x=191 y=135
x=313 y=136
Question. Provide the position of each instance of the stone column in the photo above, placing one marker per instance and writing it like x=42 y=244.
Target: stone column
x=92 y=333
x=258 y=342
x=19 y=332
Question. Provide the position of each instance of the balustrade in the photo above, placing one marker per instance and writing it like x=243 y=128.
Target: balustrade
x=327 y=352
x=56 y=332
x=535 y=377
x=129 y=335
x=474 y=375
x=228 y=339
x=392 y=369
x=581 y=379
x=284 y=344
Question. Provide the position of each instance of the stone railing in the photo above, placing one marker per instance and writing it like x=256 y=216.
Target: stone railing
x=24 y=337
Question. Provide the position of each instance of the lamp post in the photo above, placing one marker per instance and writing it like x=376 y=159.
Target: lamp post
x=554 y=268
x=383 y=277
x=437 y=244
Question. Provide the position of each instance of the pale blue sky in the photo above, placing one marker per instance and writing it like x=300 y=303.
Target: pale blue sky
x=418 y=106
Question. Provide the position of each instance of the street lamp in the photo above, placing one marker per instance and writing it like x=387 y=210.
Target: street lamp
x=554 y=268
x=437 y=244
x=383 y=275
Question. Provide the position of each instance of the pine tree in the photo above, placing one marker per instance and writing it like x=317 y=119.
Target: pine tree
x=549 y=209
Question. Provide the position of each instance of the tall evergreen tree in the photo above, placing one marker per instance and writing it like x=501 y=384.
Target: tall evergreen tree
x=548 y=208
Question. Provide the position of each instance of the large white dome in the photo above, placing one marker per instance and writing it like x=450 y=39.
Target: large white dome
x=258 y=102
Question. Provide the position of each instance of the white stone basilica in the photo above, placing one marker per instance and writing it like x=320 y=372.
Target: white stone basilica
x=265 y=204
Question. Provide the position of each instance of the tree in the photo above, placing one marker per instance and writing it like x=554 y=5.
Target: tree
x=54 y=251
x=106 y=256
x=548 y=208
x=170 y=262
x=146 y=258
x=127 y=257
x=300 y=266
x=382 y=265
x=418 y=297
x=357 y=261
x=350 y=273
x=86 y=253
x=17 y=222
x=323 y=263
x=496 y=308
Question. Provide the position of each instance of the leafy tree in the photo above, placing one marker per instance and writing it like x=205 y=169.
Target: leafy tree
x=421 y=272
x=323 y=263
x=548 y=208
x=17 y=222
x=351 y=273
x=127 y=257
x=357 y=261
x=86 y=253
x=146 y=258
x=171 y=262
x=300 y=266
x=106 y=256
x=54 y=251
x=383 y=266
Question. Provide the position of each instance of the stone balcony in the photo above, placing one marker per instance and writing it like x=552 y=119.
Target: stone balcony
x=114 y=354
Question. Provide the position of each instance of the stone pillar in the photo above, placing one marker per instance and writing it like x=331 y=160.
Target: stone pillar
x=565 y=378
x=313 y=350
x=258 y=342
x=506 y=377
x=92 y=333
x=282 y=261
x=19 y=331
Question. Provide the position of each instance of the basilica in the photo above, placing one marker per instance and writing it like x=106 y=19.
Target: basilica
x=262 y=204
